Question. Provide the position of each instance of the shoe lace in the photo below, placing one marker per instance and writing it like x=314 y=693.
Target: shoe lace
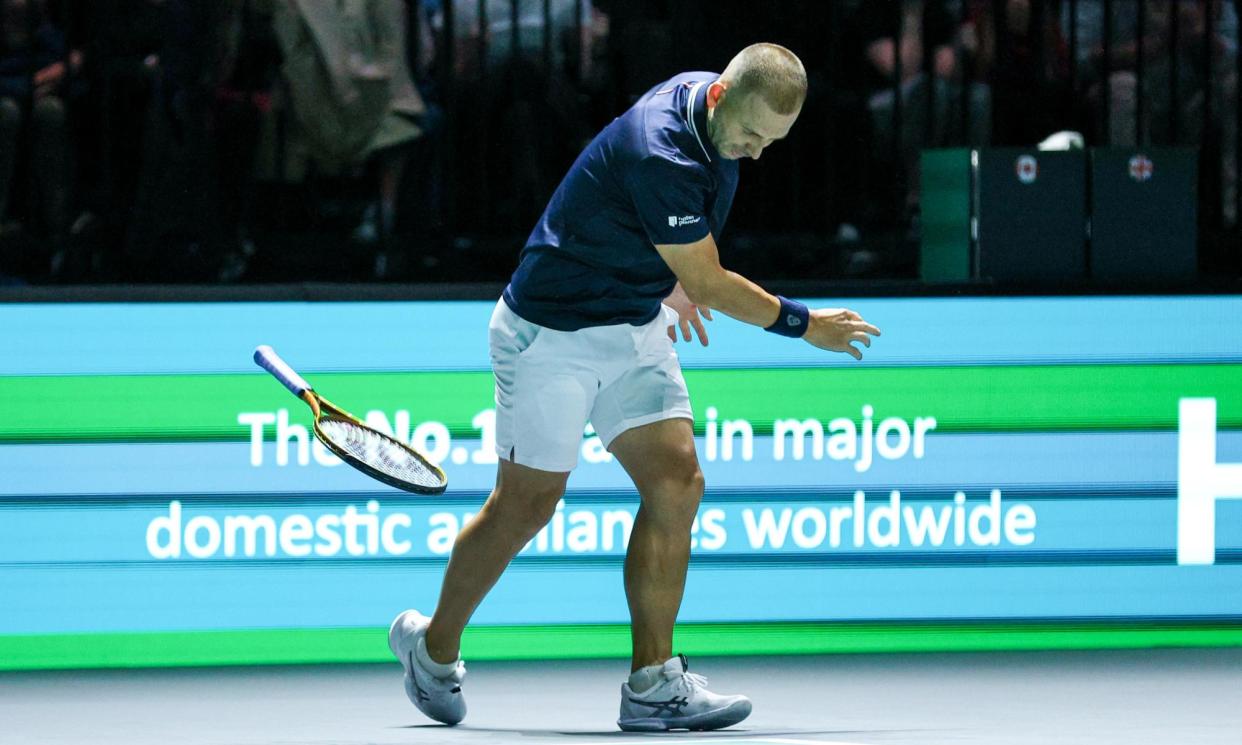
x=688 y=681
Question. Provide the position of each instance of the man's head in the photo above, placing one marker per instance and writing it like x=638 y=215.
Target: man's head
x=755 y=101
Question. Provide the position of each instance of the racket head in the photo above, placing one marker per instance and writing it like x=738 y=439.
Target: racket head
x=378 y=455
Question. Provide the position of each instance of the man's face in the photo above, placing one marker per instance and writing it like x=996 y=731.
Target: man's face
x=744 y=126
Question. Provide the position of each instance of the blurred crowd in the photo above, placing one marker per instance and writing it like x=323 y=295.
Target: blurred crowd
x=291 y=140
x=1013 y=73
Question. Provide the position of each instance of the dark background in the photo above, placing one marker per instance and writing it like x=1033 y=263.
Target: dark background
x=178 y=129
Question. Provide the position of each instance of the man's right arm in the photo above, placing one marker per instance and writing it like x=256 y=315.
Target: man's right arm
x=707 y=283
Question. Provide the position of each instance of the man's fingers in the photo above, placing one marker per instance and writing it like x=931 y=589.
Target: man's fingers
x=687 y=323
x=701 y=331
x=706 y=311
x=853 y=352
x=864 y=326
x=861 y=336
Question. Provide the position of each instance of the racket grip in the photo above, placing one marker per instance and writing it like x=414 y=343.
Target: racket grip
x=266 y=358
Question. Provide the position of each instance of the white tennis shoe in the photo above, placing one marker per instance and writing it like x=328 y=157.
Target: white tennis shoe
x=438 y=697
x=679 y=701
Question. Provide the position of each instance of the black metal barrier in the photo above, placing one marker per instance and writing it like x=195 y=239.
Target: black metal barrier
x=1110 y=73
x=1127 y=73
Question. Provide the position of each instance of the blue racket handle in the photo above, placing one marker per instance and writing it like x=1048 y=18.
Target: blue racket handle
x=266 y=358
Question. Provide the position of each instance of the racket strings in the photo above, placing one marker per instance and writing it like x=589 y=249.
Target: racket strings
x=380 y=452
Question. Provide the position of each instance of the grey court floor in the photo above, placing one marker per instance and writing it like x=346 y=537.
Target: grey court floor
x=1164 y=697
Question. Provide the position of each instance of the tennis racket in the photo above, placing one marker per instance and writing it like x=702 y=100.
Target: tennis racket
x=379 y=456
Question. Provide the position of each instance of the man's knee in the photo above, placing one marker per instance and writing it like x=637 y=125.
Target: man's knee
x=690 y=479
x=677 y=495
x=525 y=508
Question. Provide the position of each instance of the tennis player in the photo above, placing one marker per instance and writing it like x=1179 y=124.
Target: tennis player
x=584 y=332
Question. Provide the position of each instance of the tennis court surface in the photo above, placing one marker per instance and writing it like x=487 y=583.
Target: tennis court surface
x=1162 y=696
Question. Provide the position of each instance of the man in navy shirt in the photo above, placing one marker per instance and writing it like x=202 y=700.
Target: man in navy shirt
x=652 y=177
x=584 y=333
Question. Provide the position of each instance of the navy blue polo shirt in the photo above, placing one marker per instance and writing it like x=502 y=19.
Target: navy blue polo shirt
x=650 y=177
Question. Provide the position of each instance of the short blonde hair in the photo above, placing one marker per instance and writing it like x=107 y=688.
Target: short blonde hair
x=771 y=71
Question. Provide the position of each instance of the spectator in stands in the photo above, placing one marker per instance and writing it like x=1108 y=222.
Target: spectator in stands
x=921 y=22
x=32 y=120
x=121 y=42
x=1025 y=61
x=353 y=100
x=1157 y=65
x=537 y=103
x=1161 y=114
x=247 y=71
x=570 y=45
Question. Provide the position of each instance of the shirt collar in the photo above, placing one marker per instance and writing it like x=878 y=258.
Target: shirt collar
x=695 y=114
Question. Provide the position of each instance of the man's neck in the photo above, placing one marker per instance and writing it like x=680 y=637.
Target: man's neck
x=712 y=126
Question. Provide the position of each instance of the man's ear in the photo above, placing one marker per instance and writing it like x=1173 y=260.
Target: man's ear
x=715 y=93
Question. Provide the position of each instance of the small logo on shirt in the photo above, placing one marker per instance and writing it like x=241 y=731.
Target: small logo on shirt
x=681 y=222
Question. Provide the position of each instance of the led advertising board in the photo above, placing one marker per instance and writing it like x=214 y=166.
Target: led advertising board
x=991 y=460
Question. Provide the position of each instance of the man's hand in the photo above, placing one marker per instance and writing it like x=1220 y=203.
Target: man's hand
x=687 y=315
x=836 y=329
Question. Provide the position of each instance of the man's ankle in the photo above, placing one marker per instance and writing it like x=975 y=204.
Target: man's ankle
x=438 y=652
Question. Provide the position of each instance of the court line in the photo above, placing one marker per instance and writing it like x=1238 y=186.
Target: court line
x=792 y=741
x=722 y=738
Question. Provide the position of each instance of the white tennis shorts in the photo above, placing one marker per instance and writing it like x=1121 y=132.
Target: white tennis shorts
x=550 y=383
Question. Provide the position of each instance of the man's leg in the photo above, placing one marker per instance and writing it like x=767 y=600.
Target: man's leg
x=660 y=458
x=522 y=502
